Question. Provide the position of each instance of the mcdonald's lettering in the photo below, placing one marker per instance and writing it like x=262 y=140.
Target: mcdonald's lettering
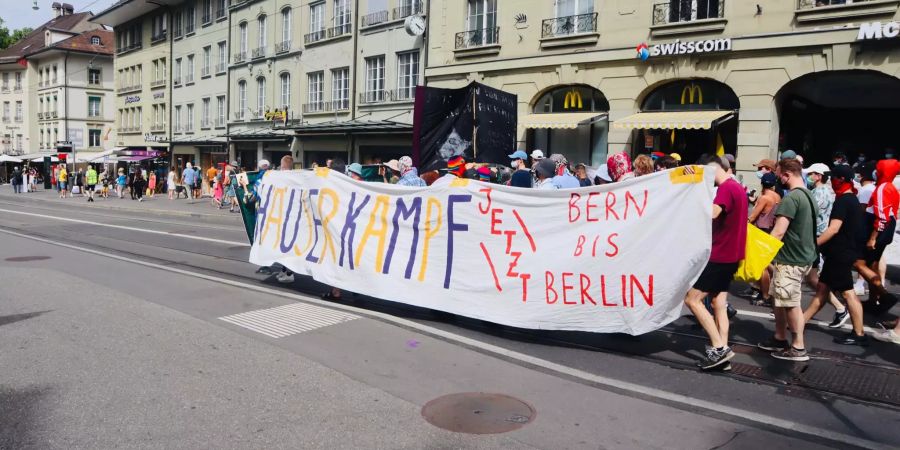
x=573 y=100
x=690 y=92
x=877 y=30
x=690 y=47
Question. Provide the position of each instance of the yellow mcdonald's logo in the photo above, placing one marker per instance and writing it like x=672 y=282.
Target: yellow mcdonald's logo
x=688 y=93
x=275 y=115
x=573 y=100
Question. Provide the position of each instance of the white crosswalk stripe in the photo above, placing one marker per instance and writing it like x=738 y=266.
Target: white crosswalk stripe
x=287 y=320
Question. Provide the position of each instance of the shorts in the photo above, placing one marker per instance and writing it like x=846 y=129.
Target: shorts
x=92 y=187
x=837 y=273
x=787 y=281
x=716 y=277
x=881 y=242
x=61 y=184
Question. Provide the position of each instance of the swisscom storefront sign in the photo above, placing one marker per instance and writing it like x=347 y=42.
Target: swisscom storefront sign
x=877 y=30
x=684 y=48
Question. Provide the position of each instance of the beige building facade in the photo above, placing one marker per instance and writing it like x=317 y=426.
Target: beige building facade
x=748 y=78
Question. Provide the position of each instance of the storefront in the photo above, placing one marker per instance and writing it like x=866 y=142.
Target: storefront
x=203 y=150
x=572 y=120
x=248 y=147
x=363 y=141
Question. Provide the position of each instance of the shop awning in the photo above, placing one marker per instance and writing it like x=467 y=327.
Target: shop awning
x=133 y=158
x=673 y=120
x=559 y=120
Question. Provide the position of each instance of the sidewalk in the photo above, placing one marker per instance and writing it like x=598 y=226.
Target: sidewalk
x=160 y=204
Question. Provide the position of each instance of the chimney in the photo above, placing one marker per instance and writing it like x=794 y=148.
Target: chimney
x=68 y=9
x=57 y=9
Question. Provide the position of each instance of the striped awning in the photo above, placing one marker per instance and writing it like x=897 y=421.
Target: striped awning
x=673 y=120
x=560 y=120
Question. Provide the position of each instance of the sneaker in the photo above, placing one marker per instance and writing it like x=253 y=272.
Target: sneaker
x=265 y=270
x=889 y=336
x=715 y=357
x=774 y=345
x=284 y=278
x=840 y=318
x=792 y=354
x=852 y=339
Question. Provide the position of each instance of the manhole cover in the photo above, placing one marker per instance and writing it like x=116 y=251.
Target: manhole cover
x=478 y=413
x=27 y=258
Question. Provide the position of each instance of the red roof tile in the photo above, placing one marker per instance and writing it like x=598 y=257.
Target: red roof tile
x=34 y=41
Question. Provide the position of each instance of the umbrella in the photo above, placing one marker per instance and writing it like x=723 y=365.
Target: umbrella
x=41 y=159
x=7 y=158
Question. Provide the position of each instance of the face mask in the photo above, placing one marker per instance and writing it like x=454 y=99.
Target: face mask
x=810 y=182
x=837 y=162
x=759 y=174
x=515 y=164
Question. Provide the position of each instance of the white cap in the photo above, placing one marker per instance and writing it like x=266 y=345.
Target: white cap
x=818 y=168
x=537 y=154
x=263 y=164
x=603 y=173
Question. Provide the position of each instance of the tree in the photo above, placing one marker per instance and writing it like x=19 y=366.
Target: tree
x=8 y=38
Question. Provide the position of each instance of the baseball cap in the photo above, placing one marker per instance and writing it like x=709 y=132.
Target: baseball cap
x=675 y=156
x=842 y=171
x=818 y=168
x=546 y=168
x=537 y=154
x=263 y=164
x=767 y=163
x=603 y=173
x=393 y=165
x=355 y=168
x=768 y=179
x=788 y=154
x=519 y=154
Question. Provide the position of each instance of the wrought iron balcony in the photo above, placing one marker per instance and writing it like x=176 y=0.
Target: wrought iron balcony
x=283 y=46
x=810 y=4
x=18 y=119
x=5 y=89
x=569 y=25
x=478 y=38
x=374 y=18
x=340 y=30
x=5 y=119
x=240 y=57
x=370 y=97
x=315 y=36
x=401 y=12
x=53 y=115
x=323 y=106
x=238 y=115
x=680 y=11
x=18 y=88
x=403 y=94
x=314 y=107
x=259 y=52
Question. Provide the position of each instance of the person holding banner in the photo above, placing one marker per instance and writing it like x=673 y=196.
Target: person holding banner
x=729 y=239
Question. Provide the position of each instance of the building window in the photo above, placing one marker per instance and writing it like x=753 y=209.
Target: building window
x=481 y=24
x=94 y=138
x=158 y=30
x=190 y=19
x=93 y=106
x=221 y=9
x=207 y=11
x=204 y=114
x=18 y=111
x=408 y=75
x=243 y=41
x=207 y=60
x=316 y=85
x=6 y=81
x=93 y=76
x=189 y=122
x=261 y=37
x=189 y=76
x=340 y=88
x=220 y=66
x=18 y=81
x=316 y=22
x=177 y=72
x=95 y=40
x=260 y=96
x=572 y=17
x=177 y=21
x=675 y=11
x=286 y=31
x=220 y=111
x=342 y=15
x=374 y=79
x=178 y=119
x=285 y=91
x=19 y=142
x=242 y=100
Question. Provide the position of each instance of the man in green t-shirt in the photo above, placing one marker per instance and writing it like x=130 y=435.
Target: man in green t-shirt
x=91 y=180
x=795 y=225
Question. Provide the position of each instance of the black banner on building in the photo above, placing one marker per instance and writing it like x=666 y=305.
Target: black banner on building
x=477 y=122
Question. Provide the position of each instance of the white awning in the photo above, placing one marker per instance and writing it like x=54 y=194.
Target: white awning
x=673 y=120
x=560 y=120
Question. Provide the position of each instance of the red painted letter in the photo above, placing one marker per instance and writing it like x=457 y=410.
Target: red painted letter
x=548 y=283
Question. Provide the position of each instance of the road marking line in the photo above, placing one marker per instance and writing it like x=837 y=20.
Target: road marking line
x=820 y=323
x=287 y=320
x=645 y=392
x=122 y=227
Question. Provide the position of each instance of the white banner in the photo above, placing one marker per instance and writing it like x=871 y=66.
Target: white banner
x=615 y=258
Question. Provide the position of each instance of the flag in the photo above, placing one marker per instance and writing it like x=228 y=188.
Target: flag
x=720 y=147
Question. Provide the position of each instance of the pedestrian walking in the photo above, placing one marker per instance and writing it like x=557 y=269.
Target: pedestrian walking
x=62 y=180
x=91 y=180
x=187 y=179
x=228 y=181
x=104 y=182
x=151 y=185
x=729 y=240
x=881 y=223
x=171 y=185
x=121 y=180
x=763 y=217
x=795 y=226
x=841 y=249
x=16 y=180
x=138 y=185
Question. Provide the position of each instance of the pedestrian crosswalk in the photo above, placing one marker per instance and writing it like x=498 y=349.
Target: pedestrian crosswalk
x=288 y=320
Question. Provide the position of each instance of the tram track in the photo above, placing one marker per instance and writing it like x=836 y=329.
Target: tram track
x=743 y=372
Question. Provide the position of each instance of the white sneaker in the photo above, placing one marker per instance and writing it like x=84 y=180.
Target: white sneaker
x=887 y=336
x=284 y=278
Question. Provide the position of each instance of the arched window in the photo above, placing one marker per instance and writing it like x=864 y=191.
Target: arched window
x=261 y=38
x=260 y=96
x=574 y=98
x=684 y=95
x=285 y=90
x=242 y=27
x=286 y=31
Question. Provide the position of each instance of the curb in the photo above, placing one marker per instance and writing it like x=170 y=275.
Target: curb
x=160 y=212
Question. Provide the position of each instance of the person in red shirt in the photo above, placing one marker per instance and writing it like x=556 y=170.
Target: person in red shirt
x=881 y=215
x=729 y=240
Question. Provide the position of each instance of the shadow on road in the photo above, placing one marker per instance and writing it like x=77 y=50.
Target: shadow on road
x=19 y=419
x=13 y=318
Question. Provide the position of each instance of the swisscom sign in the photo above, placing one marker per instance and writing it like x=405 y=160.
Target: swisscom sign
x=678 y=47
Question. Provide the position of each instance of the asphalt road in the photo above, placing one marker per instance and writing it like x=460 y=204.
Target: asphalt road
x=115 y=337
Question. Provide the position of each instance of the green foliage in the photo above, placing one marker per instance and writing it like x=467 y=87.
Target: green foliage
x=8 y=37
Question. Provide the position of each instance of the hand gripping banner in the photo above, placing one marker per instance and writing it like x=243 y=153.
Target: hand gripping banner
x=608 y=259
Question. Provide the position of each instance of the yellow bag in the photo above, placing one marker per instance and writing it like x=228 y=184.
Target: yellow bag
x=761 y=250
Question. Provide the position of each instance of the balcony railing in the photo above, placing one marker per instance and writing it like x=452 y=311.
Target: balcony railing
x=569 y=25
x=129 y=47
x=478 y=38
x=135 y=87
x=259 y=52
x=340 y=30
x=283 y=46
x=403 y=94
x=54 y=82
x=5 y=89
x=240 y=57
x=157 y=83
x=158 y=37
x=53 y=115
x=681 y=11
x=810 y=4
x=315 y=36
x=40 y=116
x=314 y=107
x=373 y=97
x=401 y=12
x=18 y=88
x=323 y=106
x=374 y=18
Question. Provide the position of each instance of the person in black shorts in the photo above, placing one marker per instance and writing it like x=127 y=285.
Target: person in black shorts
x=840 y=245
